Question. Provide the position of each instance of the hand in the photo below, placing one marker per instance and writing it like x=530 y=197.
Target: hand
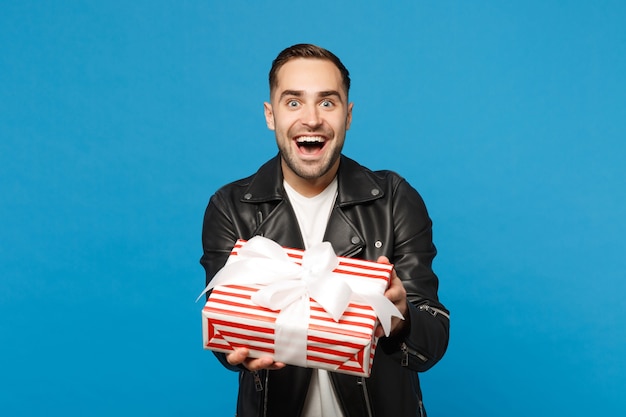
x=240 y=357
x=397 y=295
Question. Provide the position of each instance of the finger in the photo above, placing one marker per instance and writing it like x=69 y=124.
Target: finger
x=396 y=290
x=383 y=260
x=379 y=332
x=277 y=365
x=259 y=363
x=237 y=356
x=266 y=362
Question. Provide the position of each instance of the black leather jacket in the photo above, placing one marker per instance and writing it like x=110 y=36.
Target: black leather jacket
x=375 y=214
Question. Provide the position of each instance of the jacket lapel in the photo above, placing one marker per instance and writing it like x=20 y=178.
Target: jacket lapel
x=340 y=232
x=282 y=226
x=355 y=186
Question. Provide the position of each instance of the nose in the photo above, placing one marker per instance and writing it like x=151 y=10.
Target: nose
x=311 y=117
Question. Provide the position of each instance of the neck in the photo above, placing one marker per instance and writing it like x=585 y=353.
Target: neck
x=309 y=187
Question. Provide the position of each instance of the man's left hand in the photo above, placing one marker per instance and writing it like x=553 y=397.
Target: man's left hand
x=397 y=295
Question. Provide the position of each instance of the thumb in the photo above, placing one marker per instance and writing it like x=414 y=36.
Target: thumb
x=383 y=260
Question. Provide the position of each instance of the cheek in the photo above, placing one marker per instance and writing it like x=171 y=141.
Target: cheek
x=287 y=125
x=341 y=123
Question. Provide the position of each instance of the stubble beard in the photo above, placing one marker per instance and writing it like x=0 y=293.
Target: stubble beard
x=309 y=171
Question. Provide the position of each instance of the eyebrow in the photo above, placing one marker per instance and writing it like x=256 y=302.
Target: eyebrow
x=299 y=93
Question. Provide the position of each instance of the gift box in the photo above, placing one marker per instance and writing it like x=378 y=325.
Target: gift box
x=306 y=308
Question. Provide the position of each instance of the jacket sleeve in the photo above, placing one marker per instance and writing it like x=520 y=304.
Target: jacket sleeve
x=218 y=238
x=424 y=340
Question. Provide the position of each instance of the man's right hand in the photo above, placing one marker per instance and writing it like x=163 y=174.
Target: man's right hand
x=240 y=357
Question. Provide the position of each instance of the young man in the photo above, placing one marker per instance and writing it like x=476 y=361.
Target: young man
x=311 y=193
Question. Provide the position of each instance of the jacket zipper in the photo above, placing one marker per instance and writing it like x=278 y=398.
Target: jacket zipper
x=258 y=385
x=433 y=310
x=368 y=406
x=406 y=351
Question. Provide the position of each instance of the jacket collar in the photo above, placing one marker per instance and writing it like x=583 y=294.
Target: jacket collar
x=356 y=184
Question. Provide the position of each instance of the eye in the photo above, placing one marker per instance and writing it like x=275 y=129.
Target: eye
x=326 y=103
x=292 y=103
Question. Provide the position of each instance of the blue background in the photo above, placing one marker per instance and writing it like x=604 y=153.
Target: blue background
x=118 y=120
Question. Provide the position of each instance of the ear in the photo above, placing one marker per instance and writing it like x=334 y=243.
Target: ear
x=349 y=116
x=269 y=115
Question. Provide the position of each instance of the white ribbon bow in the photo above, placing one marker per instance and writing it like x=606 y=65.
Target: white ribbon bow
x=288 y=287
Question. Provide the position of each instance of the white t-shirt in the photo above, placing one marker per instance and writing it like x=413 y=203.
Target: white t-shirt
x=313 y=214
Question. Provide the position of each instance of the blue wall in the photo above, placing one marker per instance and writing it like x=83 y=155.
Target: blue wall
x=118 y=120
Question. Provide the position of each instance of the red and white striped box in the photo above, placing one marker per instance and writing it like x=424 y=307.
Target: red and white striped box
x=231 y=320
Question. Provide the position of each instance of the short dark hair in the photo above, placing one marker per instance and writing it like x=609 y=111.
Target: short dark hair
x=305 y=50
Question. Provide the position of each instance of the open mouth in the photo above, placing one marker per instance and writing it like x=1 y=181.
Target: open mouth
x=310 y=145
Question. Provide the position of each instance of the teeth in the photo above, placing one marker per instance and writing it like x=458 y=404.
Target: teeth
x=310 y=139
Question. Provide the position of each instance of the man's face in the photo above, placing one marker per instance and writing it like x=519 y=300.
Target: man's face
x=310 y=114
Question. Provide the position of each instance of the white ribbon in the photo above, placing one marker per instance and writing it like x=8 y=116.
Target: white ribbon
x=288 y=286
